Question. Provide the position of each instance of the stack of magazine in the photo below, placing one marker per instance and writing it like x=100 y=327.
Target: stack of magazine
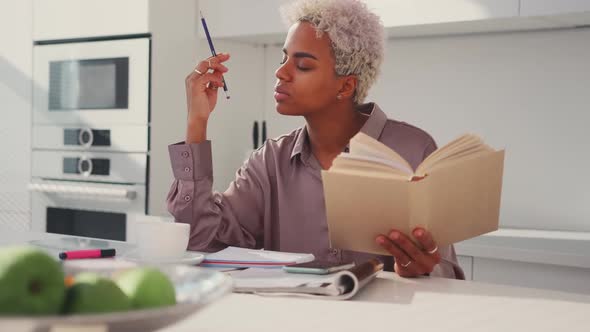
x=340 y=285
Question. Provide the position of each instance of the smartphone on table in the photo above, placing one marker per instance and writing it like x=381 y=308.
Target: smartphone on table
x=318 y=267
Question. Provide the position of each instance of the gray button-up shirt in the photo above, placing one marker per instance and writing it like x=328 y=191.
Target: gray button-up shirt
x=276 y=201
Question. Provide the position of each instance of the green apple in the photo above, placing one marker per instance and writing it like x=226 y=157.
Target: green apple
x=147 y=288
x=92 y=293
x=31 y=282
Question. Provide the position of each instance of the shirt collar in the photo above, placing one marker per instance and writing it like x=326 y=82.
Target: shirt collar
x=372 y=127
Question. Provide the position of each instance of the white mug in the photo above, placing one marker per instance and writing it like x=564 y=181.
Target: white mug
x=158 y=239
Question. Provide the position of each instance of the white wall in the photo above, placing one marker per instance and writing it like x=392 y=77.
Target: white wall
x=526 y=92
x=16 y=26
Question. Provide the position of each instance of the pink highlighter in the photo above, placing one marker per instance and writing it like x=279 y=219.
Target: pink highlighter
x=91 y=253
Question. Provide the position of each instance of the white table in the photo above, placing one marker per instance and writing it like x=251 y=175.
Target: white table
x=392 y=303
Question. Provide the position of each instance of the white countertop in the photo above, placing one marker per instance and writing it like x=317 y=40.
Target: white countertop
x=390 y=303
x=533 y=246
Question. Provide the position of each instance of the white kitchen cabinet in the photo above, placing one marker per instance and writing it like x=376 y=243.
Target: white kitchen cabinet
x=403 y=18
x=11 y=221
x=533 y=275
x=552 y=7
x=466 y=263
x=235 y=24
x=254 y=21
x=567 y=13
x=398 y=13
x=394 y=13
x=66 y=19
x=15 y=162
x=530 y=258
x=16 y=23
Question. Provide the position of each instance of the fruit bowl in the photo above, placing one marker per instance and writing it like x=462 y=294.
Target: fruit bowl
x=195 y=288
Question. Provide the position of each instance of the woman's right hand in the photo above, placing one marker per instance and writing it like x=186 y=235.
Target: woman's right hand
x=201 y=94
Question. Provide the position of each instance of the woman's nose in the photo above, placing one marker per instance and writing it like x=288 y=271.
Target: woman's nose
x=282 y=73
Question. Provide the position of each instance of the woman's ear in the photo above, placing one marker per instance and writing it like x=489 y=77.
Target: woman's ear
x=348 y=87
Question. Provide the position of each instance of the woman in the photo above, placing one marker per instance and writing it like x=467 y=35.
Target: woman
x=331 y=57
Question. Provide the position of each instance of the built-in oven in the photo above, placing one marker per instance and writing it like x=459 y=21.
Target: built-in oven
x=87 y=193
x=85 y=209
x=92 y=82
x=90 y=136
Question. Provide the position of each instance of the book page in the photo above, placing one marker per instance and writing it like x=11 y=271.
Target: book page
x=370 y=173
x=461 y=147
x=362 y=144
x=446 y=149
x=350 y=161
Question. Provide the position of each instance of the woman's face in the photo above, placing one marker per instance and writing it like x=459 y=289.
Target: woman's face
x=306 y=80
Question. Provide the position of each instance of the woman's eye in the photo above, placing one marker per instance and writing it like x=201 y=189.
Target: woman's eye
x=302 y=65
x=283 y=61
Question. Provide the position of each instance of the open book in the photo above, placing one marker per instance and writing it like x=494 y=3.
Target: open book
x=454 y=193
x=341 y=285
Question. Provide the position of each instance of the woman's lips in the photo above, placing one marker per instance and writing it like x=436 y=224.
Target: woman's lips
x=280 y=96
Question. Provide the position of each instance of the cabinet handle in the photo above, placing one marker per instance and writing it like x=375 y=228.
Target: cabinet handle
x=81 y=191
x=263 y=132
x=255 y=135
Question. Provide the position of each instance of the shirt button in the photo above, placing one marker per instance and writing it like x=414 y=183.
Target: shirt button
x=187 y=198
x=187 y=169
x=184 y=154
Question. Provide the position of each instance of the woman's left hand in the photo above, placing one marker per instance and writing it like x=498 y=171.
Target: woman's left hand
x=411 y=260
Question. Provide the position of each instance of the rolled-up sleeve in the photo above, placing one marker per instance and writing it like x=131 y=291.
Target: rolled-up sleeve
x=217 y=220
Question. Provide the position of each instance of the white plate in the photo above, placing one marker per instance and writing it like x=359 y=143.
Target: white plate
x=189 y=258
x=195 y=288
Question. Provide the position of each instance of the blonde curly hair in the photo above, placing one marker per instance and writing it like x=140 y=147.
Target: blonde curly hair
x=356 y=34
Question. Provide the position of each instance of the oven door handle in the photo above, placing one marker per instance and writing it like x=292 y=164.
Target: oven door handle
x=52 y=188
